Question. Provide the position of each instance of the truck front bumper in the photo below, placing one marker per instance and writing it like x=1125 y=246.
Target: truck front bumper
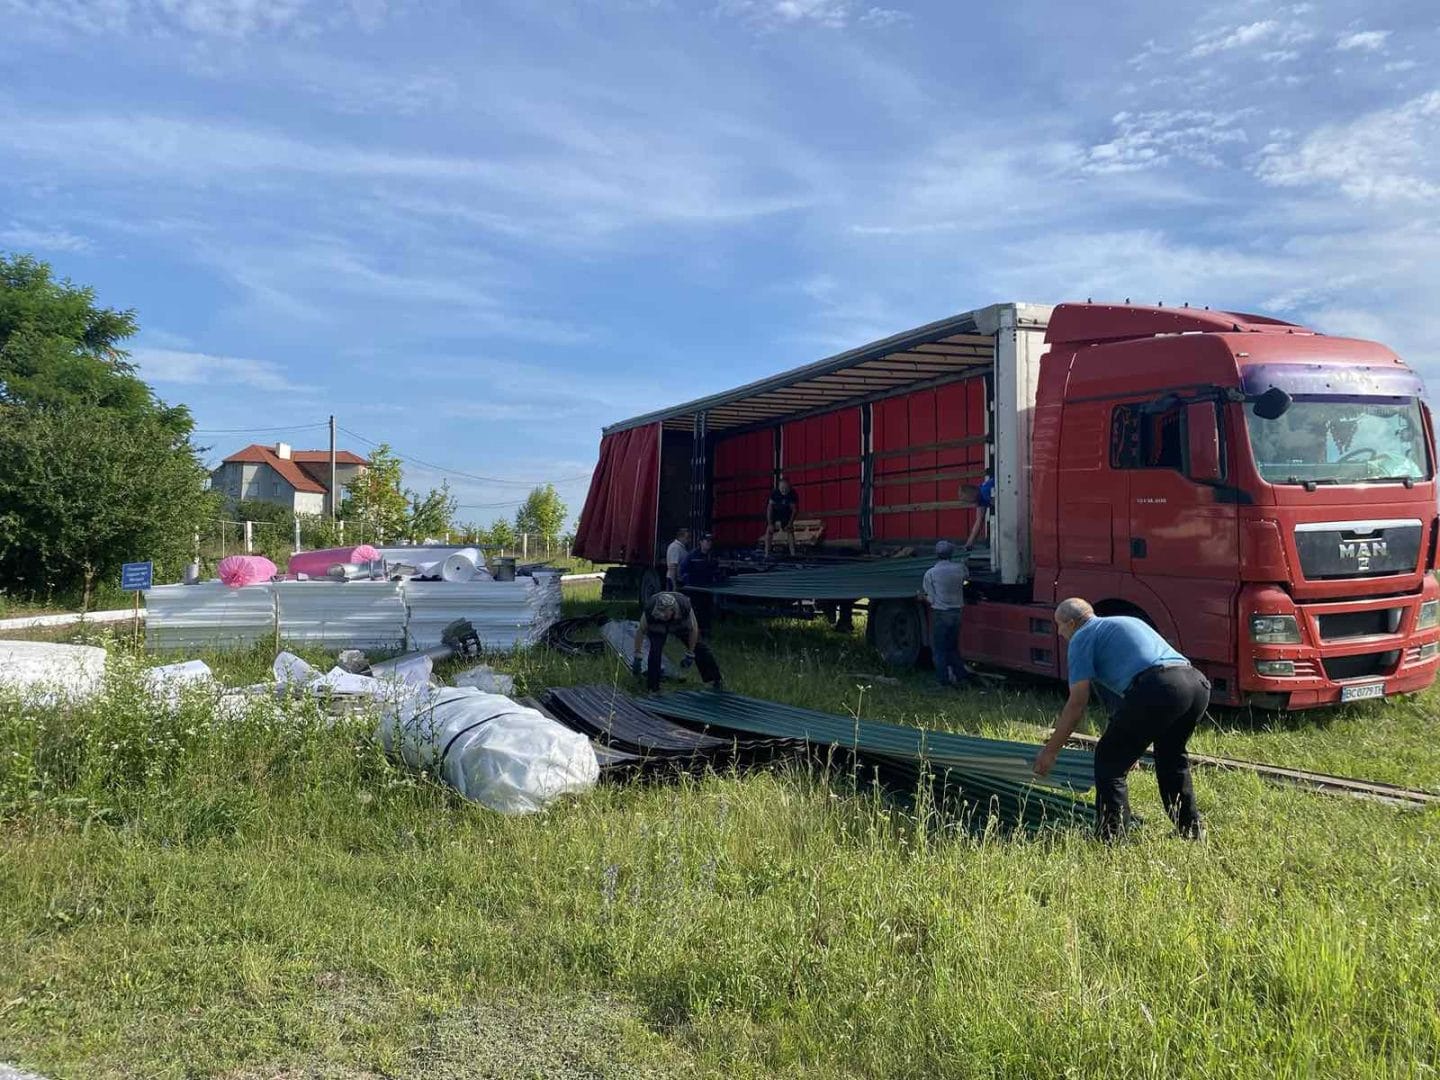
x=1348 y=649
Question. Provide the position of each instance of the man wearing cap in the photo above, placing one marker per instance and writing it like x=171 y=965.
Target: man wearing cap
x=943 y=589
x=669 y=613
x=698 y=572
x=1161 y=700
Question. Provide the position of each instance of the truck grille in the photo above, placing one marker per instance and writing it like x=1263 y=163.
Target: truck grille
x=1353 y=624
x=1357 y=549
x=1361 y=665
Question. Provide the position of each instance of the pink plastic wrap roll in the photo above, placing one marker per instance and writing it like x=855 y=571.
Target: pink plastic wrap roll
x=237 y=571
x=317 y=563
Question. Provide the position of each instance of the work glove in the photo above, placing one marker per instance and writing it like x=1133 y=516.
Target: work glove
x=687 y=661
x=635 y=667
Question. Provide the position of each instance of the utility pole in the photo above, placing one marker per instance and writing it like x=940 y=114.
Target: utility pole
x=334 y=495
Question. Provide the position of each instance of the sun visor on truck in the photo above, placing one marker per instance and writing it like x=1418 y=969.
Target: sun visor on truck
x=1326 y=380
x=618 y=522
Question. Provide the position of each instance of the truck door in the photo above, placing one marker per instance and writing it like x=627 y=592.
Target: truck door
x=1183 y=541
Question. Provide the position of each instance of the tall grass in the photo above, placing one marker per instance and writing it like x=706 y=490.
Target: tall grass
x=186 y=893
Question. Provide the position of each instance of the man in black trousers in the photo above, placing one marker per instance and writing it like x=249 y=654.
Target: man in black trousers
x=670 y=613
x=1162 y=698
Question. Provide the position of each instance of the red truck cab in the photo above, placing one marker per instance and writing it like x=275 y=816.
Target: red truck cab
x=1262 y=494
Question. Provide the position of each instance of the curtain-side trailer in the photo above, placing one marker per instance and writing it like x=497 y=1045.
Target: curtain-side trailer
x=1132 y=466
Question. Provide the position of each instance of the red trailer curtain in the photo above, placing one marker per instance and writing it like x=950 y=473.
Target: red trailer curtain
x=618 y=521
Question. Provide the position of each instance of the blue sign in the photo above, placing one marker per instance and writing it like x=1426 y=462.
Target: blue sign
x=137 y=576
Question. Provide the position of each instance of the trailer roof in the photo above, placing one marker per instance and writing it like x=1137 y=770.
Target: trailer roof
x=936 y=352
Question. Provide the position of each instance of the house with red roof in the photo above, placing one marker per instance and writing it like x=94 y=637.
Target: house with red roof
x=296 y=479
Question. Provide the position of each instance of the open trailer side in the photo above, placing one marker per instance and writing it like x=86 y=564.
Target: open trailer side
x=876 y=441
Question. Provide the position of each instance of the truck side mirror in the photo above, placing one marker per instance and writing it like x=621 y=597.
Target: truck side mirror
x=1203 y=438
x=1273 y=404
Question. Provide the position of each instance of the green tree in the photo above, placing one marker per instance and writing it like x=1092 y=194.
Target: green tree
x=374 y=505
x=542 y=515
x=433 y=515
x=500 y=535
x=96 y=470
x=58 y=348
x=86 y=488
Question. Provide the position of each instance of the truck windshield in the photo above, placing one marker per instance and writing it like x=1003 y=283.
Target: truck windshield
x=1341 y=441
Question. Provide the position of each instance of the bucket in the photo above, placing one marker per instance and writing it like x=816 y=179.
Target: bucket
x=505 y=569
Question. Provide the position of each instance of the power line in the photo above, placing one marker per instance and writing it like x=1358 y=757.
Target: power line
x=255 y=430
x=469 y=476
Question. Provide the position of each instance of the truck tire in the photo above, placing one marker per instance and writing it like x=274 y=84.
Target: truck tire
x=650 y=584
x=896 y=631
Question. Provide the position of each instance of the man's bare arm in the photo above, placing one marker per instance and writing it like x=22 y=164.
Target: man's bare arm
x=1069 y=720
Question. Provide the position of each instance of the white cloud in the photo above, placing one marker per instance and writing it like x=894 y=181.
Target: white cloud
x=1401 y=65
x=833 y=14
x=1391 y=155
x=588 y=174
x=233 y=19
x=1362 y=40
x=1236 y=37
x=1145 y=140
x=194 y=368
x=27 y=238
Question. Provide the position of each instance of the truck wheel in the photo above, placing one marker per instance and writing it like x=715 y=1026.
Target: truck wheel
x=896 y=632
x=650 y=584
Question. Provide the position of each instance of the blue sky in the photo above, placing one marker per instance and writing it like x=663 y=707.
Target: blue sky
x=481 y=231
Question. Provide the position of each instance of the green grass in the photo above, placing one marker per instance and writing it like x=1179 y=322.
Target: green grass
x=186 y=896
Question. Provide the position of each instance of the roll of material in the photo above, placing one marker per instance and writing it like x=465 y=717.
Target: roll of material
x=371 y=571
x=318 y=563
x=237 y=571
x=461 y=566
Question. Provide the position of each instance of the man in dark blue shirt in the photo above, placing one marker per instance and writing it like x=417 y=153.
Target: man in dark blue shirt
x=1161 y=700
x=698 y=571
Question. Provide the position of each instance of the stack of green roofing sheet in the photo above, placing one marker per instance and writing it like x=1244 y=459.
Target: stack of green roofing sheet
x=876 y=579
x=1074 y=769
x=992 y=772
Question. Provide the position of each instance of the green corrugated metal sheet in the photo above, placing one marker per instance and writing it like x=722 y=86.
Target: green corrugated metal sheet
x=1074 y=769
x=993 y=775
x=878 y=579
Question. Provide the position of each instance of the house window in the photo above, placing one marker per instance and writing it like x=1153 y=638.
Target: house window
x=1145 y=440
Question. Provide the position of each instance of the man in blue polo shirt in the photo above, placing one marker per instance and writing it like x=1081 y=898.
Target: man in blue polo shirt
x=1161 y=700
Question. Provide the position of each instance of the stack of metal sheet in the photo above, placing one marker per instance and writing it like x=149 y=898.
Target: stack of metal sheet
x=614 y=720
x=341 y=615
x=505 y=614
x=995 y=775
x=875 y=579
x=208 y=616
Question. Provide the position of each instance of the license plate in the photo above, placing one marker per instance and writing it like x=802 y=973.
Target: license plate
x=1363 y=691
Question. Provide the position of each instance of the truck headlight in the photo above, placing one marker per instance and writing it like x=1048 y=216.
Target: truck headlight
x=1275 y=667
x=1429 y=615
x=1427 y=652
x=1274 y=630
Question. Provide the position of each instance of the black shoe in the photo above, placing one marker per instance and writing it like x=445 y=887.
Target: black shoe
x=718 y=686
x=1193 y=830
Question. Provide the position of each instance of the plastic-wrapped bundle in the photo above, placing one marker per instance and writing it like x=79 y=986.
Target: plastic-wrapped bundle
x=237 y=571
x=317 y=563
x=51 y=671
x=488 y=748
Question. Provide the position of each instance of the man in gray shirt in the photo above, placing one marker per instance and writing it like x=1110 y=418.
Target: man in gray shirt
x=943 y=588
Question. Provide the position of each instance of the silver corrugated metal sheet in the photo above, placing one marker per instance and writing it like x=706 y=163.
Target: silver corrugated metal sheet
x=342 y=615
x=505 y=614
x=207 y=616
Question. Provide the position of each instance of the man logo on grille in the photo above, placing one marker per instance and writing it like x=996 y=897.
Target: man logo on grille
x=1362 y=551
